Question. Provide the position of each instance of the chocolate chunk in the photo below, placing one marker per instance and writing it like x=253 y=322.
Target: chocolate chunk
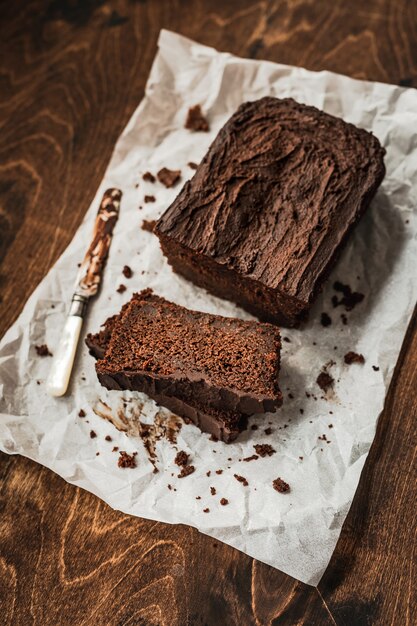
x=375 y=368
x=81 y=413
x=325 y=381
x=108 y=438
x=93 y=434
x=150 y=178
x=224 y=501
x=149 y=199
x=280 y=485
x=43 y=350
x=196 y=120
x=127 y=272
x=168 y=177
x=354 y=357
x=126 y=460
x=264 y=449
x=207 y=510
x=251 y=458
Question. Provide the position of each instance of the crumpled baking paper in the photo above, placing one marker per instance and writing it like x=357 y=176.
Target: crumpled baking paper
x=296 y=531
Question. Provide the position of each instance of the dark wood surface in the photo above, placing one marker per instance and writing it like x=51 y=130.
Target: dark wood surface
x=71 y=74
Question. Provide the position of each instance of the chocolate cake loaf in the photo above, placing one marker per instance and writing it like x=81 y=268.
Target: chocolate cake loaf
x=271 y=205
x=213 y=370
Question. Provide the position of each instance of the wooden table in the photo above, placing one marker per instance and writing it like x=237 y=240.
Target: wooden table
x=71 y=74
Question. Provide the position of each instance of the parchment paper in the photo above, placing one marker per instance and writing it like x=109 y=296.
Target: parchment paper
x=295 y=532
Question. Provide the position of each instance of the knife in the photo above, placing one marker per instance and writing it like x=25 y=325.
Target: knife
x=86 y=286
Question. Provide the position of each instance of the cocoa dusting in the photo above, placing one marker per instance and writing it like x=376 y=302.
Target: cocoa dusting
x=264 y=449
x=325 y=381
x=349 y=298
x=126 y=460
x=81 y=413
x=280 y=485
x=93 y=434
x=127 y=272
x=121 y=289
x=181 y=458
x=149 y=199
x=168 y=177
x=212 y=491
x=325 y=319
x=43 y=350
x=148 y=225
x=196 y=120
x=251 y=458
x=186 y=470
x=150 y=178
x=354 y=357
x=241 y=479
x=224 y=501
x=192 y=165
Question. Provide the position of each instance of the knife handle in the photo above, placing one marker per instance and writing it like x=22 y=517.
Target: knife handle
x=58 y=379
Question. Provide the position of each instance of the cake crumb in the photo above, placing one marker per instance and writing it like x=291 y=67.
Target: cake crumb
x=349 y=298
x=325 y=381
x=195 y=119
x=219 y=471
x=301 y=458
x=375 y=368
x=208 y=474
x=108 y=438
x=286 y=339
x=344 y=319
x=325 y=319
x=121 y=288
x=181 y=458
x=126 y=460
x=207 y=510
x=280 y=485
x=150 y=178
x=186 y=470
x=224 y=501
x=268 y=431
x=212 y=491
x=254 y=427
x=168 y=177
x=241 y=479
x=93 y=434
x=81 y=413
x=43 y=350
x=264 y=449
x=192 y=165
x=149 y=199
x=353 y=357
x=115 y=448
x=251 y=458
x=148 y=225
x=127 y=272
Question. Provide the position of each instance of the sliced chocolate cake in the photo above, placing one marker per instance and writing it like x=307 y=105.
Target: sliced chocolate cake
x=264 y=218
x=213 y=370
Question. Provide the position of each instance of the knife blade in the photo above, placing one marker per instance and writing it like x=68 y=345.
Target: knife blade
x=86 y=286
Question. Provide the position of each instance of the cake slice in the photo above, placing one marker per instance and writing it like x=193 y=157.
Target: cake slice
x=213 y=370
x=264 y=219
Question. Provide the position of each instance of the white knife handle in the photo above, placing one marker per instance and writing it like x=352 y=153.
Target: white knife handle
x=58 y=379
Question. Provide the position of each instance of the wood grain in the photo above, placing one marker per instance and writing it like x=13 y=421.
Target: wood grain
x=71 y=74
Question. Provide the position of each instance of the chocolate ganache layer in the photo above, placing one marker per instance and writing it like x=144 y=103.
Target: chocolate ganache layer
x=271 y=205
